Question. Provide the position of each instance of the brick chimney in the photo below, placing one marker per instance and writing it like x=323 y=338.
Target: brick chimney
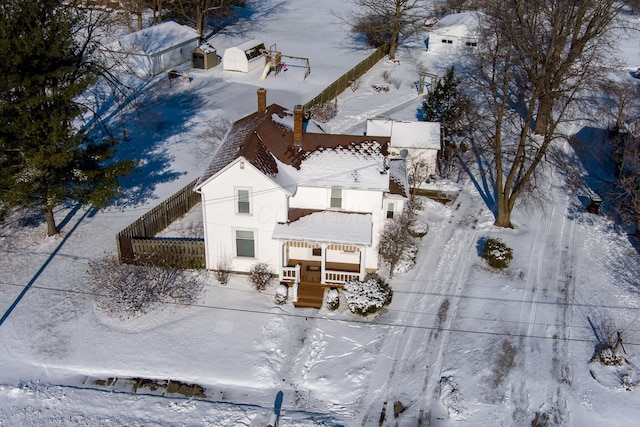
x=298 y=115
x=262 y=100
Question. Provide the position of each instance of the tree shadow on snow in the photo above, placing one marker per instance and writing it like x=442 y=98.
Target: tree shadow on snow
x=594 y=150
x=147 y=133
x=243 y=21
x=475 y=165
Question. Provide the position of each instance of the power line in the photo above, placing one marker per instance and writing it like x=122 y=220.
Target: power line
x=352 y=321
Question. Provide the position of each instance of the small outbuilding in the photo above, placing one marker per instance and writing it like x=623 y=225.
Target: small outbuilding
x=157 y=48
x=454 y=33
x=204 y=57
x=411 y=140
x=246 y=57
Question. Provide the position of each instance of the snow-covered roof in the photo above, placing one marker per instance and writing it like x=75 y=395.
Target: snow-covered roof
x=249 y=44
x=157 y=38
x=456 y=24
x=206 y=48
x=328 y=226
x=416 y=135
x=320 y=160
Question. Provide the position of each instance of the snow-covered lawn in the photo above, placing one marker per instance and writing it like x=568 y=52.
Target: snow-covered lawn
x=460 y=344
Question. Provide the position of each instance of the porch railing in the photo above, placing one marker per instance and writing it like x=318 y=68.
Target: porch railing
x=291 y=275
x=339 y=277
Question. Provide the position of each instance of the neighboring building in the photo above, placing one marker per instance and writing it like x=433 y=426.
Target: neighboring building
x=204 y=57
x=245 y=57
x=310 y=204
x=156 y=49
x=413 y=141
x=454 y=33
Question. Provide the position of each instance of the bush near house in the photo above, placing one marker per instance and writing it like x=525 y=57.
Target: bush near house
x=369 y=296
x=282 y=293
x=128 y=290
x=497 y=253
x=332 y=300
x=260 y=275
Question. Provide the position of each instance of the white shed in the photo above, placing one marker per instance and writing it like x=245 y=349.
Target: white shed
x=454 y=33
x=245 y=57
x=417 y=140
x=157 y=48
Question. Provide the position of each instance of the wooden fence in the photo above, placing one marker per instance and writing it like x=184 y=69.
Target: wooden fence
x=136 y=243
x=345 y=81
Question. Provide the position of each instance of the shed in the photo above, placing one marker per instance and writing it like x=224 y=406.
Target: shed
x=245 y=57
x=157 y=48
x=418 y=140
x=454 y=33
x=204 y=57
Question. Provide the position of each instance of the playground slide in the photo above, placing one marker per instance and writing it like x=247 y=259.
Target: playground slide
x=265 y=73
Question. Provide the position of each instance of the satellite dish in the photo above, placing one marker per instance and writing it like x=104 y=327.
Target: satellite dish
x=404 y=153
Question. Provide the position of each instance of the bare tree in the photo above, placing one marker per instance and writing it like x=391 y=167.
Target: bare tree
x=388 y=21
x=535 y=62
x=396 y=239
x=626 y=193
x=197 y=12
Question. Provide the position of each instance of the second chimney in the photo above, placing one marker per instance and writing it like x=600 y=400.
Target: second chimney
x=298 y=115
x=262 y=100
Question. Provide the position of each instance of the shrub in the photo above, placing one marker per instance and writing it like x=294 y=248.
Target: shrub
x=419 y=229
x=369 y=296
x=324 y=112
x=497 y=253
x=223 y=269
x=282 y=293
x=332 y=299
x=260 y=275
x=126 y=290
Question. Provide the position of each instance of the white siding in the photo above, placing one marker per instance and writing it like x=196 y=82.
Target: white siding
x=268 y=206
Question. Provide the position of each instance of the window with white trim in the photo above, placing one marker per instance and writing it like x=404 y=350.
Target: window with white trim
x=243 y=202
x=245 y=244
x=390 y=210
x=336 y=198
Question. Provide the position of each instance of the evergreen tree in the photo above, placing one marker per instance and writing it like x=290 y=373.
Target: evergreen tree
x=47 y=157
x=445 y=103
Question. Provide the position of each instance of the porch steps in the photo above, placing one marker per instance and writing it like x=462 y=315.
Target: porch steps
x=309 y=295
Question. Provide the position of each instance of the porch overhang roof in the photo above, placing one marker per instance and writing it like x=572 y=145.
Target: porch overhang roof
x=328 y=226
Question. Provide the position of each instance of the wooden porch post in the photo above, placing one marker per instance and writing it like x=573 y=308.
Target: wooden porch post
x=281 y=259
x=362 y=262
x=323 y=264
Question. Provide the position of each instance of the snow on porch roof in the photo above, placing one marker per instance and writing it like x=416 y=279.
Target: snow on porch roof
x=328 y=226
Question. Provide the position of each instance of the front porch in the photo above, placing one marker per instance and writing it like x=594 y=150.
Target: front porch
x=320 y=250
x=308 y=277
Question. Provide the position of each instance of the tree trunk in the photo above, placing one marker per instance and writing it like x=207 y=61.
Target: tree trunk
x=545 y=102
x=503 y=218
x=52 y=230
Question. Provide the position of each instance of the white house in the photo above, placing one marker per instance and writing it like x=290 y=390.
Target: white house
x=245 y=57
x=454 y=33
x=312 y=205
x=156 y=49
x=411 y=140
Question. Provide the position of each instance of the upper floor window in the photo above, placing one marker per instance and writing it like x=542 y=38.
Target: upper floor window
x=390 y=209
x=336 y=198
x=243 y=202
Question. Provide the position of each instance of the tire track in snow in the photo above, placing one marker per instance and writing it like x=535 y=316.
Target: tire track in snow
x=549 y=269
x=441 y=268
